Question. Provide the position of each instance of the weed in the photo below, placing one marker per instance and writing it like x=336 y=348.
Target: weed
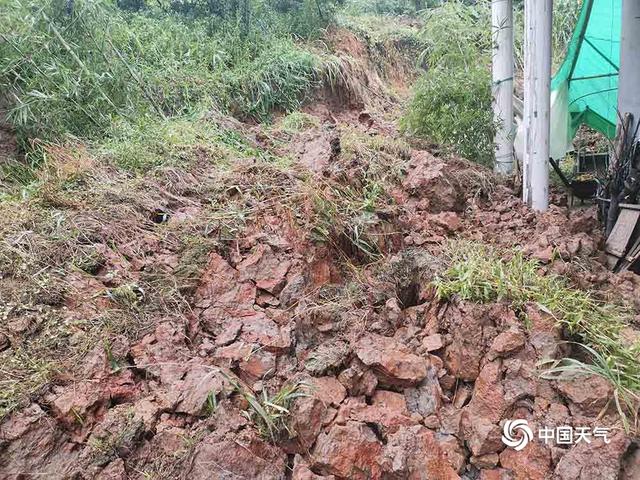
x=270 y=413
x=625 y=393
x=298 y=121
x=212 y=403
x=349 y=214
x=21 y=374
x=128 y=295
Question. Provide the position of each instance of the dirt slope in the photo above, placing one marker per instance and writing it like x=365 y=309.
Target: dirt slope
x=146 y=317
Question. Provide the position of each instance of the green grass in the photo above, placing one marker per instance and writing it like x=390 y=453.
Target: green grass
x=80 y=74
x=298 y=121
x=270 y=413
x=482 y=274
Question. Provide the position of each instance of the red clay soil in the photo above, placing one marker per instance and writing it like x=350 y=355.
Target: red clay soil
x=401 y=386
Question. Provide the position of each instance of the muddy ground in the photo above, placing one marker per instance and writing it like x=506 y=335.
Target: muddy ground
x=177 y=317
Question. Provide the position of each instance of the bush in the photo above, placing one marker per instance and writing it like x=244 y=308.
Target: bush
x=392 y=7
x=453 y=108
x=452 y=102
x=80 y=72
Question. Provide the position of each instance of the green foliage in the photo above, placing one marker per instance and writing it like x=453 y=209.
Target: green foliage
x=452 y=101
x=277 y=78
x=457 y=36
x=481 y=274
x=453 y=108
x=82 y=73
x=298 y=122
x=389 y=7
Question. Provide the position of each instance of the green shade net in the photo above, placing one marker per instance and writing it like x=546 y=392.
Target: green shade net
x=587 y=81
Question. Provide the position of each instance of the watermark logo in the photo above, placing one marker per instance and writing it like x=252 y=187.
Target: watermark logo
x=516 y=434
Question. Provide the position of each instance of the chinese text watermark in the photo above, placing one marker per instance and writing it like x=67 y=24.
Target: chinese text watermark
x=517 y=434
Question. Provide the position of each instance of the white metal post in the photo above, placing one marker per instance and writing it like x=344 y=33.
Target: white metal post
x=529 y=43
x=538 y=20
x=502 y=69
x=629 y=79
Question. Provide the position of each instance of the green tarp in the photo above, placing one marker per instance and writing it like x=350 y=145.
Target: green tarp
x=587 y=82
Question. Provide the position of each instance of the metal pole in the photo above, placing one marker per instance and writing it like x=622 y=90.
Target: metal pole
x=629 y=79
x=502 y=69
x=529 y=43
x=538 y=20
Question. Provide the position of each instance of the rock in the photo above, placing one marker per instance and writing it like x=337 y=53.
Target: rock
x=472 y=330
x=162 y=353
x=168 y=441
x=265 y=269
x=543 y=254
x=328 y=390
x=432 y=342
x=293 y=291
x=545 y=336
x=301 y=471
x=506 y=343
x=481 y=416
x=483 y=436
x=485 y=461
x=462 y=395
x=244 y=456
x=450 y=221
x=74 y=404
x=391 y=362
x=426 y=398
x=305 y=421
x=496 y=474
x=315 y=151
x=310 y=413
x=453 y=450
x=631 y=465
x=589 y=395
x=594 y=460
x=222 y=296
x=260 y=329
x=531 y=463
x=358 y=379
x=229 y=334
x=255 y=362
x=451 y=420
x=391 y=401
x=31 y=442
x=415 y=453
x=116 y=435
x=114 y=471
x=326 y=358
x=347 y=451
x=194 y=389
x=488 y=395
x=388 y=410
x=427 y=181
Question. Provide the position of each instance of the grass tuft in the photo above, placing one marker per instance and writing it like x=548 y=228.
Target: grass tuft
x=270 y=414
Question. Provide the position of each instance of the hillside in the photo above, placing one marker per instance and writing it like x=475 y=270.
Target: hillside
x=261 y=271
